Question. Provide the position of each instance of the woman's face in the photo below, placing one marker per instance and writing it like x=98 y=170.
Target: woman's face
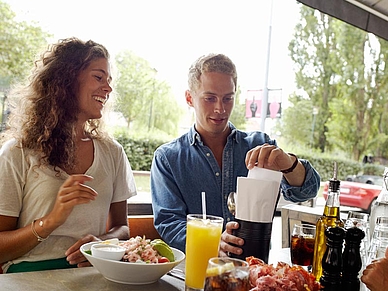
x=94 y=89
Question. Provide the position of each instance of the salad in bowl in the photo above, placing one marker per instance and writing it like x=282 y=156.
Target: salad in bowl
x=144 y=261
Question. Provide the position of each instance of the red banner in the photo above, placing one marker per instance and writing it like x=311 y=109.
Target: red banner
x=253 y=104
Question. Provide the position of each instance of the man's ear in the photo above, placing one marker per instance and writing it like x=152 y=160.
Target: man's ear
x=189 y=98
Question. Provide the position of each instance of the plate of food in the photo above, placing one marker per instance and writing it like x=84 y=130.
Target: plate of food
x=282 y=277
x=144 y=261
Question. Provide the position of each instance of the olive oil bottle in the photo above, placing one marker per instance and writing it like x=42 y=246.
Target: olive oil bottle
x=330 y=218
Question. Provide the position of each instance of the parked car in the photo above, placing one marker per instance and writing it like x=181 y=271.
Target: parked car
x=367 y=179
x=355 y=194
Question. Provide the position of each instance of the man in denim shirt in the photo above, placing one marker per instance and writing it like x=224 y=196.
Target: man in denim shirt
x=211 y=156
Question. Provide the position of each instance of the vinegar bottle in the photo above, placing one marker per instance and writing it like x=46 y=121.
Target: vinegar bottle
x=380 y=207
x=330 y=218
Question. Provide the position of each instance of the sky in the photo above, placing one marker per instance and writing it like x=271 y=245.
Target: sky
x=171 y=34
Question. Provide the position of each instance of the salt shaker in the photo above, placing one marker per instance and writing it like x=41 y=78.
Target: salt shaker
x=352 y=259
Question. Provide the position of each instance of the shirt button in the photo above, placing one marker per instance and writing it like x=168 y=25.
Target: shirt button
x=208 y=154
x=217 y=174
x=228 y=219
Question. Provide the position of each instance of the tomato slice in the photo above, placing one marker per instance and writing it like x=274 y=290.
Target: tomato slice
x=163 y=260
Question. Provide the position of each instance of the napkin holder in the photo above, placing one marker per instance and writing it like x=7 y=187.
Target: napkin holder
x=256 y=200
x=256 y=236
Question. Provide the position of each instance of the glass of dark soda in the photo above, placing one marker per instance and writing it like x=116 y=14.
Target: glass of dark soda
x=302 y=244
x=227 y=274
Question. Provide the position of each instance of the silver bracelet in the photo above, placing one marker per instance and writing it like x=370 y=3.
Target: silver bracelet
x=40 y=239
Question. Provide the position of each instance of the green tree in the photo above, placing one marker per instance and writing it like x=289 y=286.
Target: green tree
x=352 y=127
x=146 y=102
x=379 y=88
x=135 y=78
x=238 y=114
x=314 y=52
x=166 y=112
x=342 y=71
x=296 y=122
x=19 y=43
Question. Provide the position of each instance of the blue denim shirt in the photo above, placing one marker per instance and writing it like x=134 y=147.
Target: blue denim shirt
x=185 y=167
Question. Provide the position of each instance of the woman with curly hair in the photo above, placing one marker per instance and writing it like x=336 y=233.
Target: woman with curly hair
x=64 y=182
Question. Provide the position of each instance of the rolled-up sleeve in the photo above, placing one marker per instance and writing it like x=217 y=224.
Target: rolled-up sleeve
x=308 y=190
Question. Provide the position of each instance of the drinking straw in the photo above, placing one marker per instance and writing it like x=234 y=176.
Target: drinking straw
x=203 y=205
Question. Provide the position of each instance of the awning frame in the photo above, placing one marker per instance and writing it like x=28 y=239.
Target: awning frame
x=363 y=18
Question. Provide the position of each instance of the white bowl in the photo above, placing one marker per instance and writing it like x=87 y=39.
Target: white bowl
x=108 y=251
x=131 y=273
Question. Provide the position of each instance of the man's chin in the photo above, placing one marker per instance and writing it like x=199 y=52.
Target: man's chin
x=220 y=128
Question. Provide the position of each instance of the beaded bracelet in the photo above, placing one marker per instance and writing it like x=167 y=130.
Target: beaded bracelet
x=40 y=239
x=289 y=170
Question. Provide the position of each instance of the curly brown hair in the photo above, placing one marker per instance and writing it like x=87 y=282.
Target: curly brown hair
x=45 y=118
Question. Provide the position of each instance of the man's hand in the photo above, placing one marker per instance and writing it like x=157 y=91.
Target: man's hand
x=375 y=275
x=273 y=158
x=269 y=157
x=227 y=238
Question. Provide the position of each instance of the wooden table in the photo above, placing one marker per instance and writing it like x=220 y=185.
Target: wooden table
x=79 y=279
x=86 y=279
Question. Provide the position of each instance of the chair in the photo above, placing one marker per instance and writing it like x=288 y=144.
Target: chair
x=142 y=225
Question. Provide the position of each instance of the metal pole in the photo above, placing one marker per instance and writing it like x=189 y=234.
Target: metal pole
x=312 y=132
x=150 y=117
x=2 y=125
x=264 y=100
x=152 y=100
x=315 y=112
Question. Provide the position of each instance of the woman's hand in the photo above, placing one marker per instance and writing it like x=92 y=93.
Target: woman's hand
x=117 y=228
x=72 y=192
x=74 y=255
x=227 y=238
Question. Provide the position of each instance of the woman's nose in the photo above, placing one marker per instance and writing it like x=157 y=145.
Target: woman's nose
x=107 y=88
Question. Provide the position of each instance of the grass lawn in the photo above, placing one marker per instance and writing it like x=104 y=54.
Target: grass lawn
x=142 y=183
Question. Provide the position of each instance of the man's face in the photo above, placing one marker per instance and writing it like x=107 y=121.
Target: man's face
x=213 y=102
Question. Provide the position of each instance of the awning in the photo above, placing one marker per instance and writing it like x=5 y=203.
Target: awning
x=369 y=15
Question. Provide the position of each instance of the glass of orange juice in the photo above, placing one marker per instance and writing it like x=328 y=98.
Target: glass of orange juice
x=202 y=243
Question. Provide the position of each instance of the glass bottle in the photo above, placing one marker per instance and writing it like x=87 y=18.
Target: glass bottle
x=330 y=218
x=380 y=207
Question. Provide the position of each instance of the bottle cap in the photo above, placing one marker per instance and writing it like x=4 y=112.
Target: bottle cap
x=334 y=184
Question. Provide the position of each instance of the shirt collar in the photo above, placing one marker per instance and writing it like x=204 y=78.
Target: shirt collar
x=195 y=136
